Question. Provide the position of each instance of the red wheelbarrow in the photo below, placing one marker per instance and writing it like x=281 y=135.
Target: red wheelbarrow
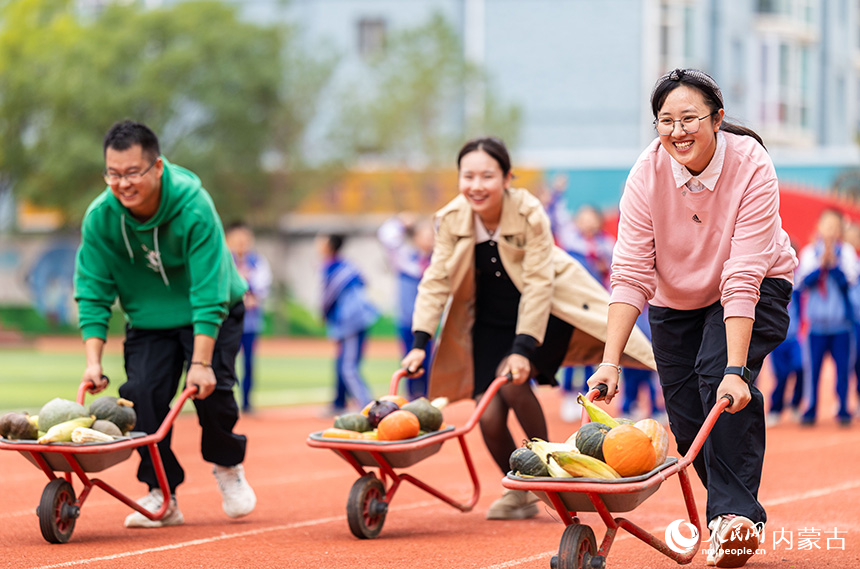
x=372 y=493
x=578 y=548
x=59 y=508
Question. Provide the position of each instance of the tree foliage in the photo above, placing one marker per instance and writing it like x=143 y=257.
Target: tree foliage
x=410 y=105
x=217 y=90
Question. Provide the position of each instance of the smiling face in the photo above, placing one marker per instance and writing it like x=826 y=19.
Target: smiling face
x=143 y=197
x=692 y=150
x=483 y=184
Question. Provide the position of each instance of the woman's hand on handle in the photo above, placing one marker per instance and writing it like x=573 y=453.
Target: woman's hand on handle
x=413 y=362
x=738 y=389
x=608 y=376
x=518 y=366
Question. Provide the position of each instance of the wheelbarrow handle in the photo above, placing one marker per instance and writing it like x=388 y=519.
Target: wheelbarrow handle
x=87 y=387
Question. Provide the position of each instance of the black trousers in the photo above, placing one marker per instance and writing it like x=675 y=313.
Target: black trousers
x=154 y=362
x=691 y=354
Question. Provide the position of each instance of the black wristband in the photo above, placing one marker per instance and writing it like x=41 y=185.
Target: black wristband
x=742 y=371
x=524 y=345
x=420 y=341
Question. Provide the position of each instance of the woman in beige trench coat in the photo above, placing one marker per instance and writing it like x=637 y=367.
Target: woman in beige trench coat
x=512 y=303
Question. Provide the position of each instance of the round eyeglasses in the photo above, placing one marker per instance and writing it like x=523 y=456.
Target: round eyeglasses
x=690 y=124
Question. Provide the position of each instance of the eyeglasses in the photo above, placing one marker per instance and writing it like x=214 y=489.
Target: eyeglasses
x=132 y=177
x=690 y=125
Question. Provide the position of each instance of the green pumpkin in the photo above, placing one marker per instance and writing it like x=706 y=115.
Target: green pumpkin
x=589 y=439
x=120 y=412
x=429 y=417
x=526 y=462
x=352 y=422
x=58 y=411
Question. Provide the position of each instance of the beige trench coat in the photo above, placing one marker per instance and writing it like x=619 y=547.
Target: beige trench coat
x=549 y=281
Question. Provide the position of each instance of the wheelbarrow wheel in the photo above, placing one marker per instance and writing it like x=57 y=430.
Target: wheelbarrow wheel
x=57 y=511
x=366 y=507
x=577 y=549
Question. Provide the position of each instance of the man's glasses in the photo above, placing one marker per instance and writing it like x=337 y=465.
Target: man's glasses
x=113 y=178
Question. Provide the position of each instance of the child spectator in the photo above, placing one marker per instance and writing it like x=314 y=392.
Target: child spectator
x=256 y=271
x=348 y=316
x=592 y=247
x=827 y=269
x=409 y=243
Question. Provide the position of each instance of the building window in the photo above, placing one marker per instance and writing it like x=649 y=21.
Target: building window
x=371 y=37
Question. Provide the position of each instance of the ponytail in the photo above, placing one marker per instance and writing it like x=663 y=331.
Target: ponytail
x=741 y=130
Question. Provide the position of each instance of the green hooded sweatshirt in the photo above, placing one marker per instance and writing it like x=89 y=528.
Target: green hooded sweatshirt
x=170 y=271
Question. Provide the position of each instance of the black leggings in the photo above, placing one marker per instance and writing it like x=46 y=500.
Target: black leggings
x=494 y=422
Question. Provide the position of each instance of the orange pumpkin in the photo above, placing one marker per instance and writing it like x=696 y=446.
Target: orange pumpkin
x=398 y=399
x=628 y=450
x=398 y=425
x=659 y=439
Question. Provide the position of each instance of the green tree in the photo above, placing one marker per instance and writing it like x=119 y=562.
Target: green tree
x=216 y=89
x=411 y=104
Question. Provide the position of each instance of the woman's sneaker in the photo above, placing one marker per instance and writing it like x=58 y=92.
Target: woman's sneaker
x=514 y=505
x=238 y=496
x=734 y=539
x=152 y=502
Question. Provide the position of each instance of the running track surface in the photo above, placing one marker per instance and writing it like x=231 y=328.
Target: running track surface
x=810 y=489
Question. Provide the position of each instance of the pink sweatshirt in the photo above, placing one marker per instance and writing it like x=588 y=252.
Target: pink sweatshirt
x=686 y=250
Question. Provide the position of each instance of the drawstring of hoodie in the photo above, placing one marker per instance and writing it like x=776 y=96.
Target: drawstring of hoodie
x=125 y=238
x=157 y=251
x=158 y=257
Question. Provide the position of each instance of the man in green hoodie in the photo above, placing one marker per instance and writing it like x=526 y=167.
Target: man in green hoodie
x=153 y=240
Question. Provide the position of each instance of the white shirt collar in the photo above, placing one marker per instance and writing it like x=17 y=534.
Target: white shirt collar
x=709 y=176
x=481 y=233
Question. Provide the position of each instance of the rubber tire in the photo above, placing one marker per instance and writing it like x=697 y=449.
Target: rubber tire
x=366 y=507
x=577 y=547
x=54 y=519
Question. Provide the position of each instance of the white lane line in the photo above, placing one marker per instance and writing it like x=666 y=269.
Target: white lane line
x=221 y=537
x=812 y=493
x=106 y=500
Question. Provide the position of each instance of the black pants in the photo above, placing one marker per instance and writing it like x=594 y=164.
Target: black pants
x=691 y=354
x=154 y=362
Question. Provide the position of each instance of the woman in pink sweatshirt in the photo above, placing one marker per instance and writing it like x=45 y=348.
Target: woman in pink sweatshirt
x=700 y=239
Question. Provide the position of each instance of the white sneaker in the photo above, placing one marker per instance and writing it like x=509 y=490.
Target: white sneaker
x=570 y=410
x=152 y=502
x=734 y=539
x=238 y=496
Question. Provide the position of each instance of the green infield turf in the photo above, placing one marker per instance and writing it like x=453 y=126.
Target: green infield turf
x=29 y=378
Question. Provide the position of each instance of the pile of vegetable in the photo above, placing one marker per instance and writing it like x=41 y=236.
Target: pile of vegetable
x=390 y=418
x=64 y=421
x=605 y=448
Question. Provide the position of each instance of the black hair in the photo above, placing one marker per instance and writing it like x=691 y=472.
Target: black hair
x=492 y=146
x=705 y=84
x=125 y=134
x=335 y=242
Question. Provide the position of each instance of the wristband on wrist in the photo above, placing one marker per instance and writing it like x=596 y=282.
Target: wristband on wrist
x=199 y=363
x=608 y=364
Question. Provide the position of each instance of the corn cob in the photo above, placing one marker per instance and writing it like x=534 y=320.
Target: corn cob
x=595 y=413
x=62 y=433
x=85 y=435
x=543 y=449
x=583 y=466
